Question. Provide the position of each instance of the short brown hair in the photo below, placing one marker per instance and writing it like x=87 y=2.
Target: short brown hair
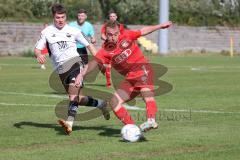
x=112 y=24
x=82 y=11
x=58 y=8
x=111 y=11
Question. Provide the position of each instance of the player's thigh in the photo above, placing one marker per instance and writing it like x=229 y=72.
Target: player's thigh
x=68 y=80
x=74 y=92
x=121 y=95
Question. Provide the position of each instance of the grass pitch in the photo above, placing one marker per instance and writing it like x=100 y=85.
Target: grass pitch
x=199 y=119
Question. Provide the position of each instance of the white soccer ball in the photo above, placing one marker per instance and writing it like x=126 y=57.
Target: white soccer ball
x=131 y=133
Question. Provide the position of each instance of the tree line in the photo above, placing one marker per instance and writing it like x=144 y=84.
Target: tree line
x=182 y=12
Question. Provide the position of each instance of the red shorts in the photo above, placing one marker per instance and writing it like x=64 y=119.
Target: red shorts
x=142 y=77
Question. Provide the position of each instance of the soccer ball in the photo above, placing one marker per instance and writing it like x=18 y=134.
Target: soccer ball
x=131 y=133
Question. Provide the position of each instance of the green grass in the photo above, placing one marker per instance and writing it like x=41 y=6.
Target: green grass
x=198 y=120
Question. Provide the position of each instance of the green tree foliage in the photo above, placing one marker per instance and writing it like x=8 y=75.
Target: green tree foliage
x=132 y=12
x=204 y=12
x=41 y=8
x=17 y=8
x=24 y=9
x=73 y=6
x=106 y=5
x=183 y=12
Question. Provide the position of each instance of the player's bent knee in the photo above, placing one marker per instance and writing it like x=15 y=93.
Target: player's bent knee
x=147 y=99
x=115 y=102
x=73 y=97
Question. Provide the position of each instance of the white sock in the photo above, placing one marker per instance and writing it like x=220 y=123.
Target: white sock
x=151 y=120
x=43 y=66
x=70 y=120
x=100 y=101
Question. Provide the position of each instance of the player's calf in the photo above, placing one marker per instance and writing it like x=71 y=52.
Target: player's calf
x=100 y=104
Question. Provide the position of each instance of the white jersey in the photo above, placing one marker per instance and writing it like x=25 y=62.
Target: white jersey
x=61 y=43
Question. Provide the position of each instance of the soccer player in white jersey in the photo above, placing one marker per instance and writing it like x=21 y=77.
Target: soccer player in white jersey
x=61 y=41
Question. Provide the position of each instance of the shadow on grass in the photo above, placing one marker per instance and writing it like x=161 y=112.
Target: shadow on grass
x=104 y=131
x=95 y=84
x=142 y=139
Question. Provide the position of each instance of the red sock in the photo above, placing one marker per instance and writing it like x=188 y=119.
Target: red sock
x=124 y=116
x=151 y=107
x=108 y=76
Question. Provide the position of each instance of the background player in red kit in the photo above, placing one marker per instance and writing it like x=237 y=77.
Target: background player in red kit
x=112 y=16
x=45 y=50
x=122 y=52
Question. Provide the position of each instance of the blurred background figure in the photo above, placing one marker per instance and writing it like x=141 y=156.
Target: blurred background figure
x=44 y=51
x=112 y=16
x=87 y=29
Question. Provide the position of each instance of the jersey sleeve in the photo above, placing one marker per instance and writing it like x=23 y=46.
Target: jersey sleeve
x=91 y=30
x=121 y=27
x=81 y=38
x=101 y=58
x=41 y=43
x=134 y=34
x=103 y=29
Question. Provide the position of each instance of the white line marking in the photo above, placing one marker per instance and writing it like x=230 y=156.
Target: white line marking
x=206 y=67
x=182 y=110
x=133 y=107
x=127 y=106
x=195 y=69
x=23 y=104
x=8 y=64
x=199 y=111
x=33 y=94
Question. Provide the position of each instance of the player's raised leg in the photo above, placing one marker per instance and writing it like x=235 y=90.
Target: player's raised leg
x=93 y=102
x=119 y=97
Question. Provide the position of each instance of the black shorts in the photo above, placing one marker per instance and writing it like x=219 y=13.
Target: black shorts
x=69 y=77
x=83 y=54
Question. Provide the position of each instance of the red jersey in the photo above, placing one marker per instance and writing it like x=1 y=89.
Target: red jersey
x=126 y=56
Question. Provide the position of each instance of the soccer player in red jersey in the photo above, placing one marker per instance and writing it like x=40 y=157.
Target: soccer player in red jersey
x=112 y=16
x=122 y=52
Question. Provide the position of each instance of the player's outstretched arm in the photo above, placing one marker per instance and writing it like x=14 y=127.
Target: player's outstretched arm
x=87 y=69
x=93 y=40
x=149 y=29
x=92 y=49
x=103 y=37
x=92 y=65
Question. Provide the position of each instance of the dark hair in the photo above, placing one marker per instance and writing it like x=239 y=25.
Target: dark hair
x=82 y=11
x=111 y=11
x=112 y=24
x=58 y=8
